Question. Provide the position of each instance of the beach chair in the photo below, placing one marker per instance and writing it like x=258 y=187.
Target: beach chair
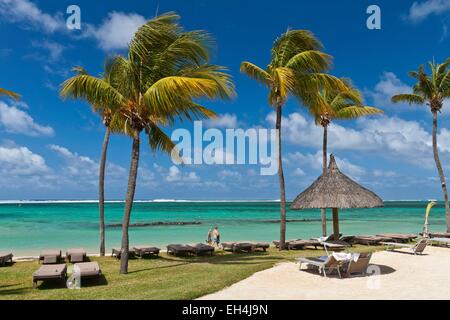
x=116 y=253
x=415 y=249
x=88 y=269
x=202 y=249
x=277 y=242
x=50 y=272
x=5 y=258
x=238 y=246
x=368 y=240
x=180 y=249
x=143 y=251
x=76 y=255
x=441 y=241
x=50 y=256
x=398 y=237
x=358 y=266
x=324 y=265
x=302 y=244
x=262 y=246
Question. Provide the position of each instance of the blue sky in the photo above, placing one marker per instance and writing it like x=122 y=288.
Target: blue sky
x=49 y=149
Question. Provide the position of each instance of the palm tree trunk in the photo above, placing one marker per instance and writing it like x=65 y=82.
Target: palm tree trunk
x=129 y=203
x=440 y=171
x=281 y=178
x=101 y=190
x=324 y=170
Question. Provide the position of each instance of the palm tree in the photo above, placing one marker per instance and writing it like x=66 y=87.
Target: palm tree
x=431 y=90
x=11 y=94
x=76 y=88
x=293 y=70
x=165 y=71
x=341 y=105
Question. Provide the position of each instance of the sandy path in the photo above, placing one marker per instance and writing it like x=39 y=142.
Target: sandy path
x=403 y=276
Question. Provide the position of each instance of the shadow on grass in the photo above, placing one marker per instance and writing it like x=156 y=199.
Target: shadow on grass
x=5 y=292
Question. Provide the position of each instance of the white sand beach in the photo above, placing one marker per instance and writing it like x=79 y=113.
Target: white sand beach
x=403 y=276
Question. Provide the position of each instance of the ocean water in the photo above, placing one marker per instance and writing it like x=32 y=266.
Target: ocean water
x=28 y=227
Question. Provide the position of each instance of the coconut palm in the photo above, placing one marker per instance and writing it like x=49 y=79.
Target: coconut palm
x=11 y=94
x=294 y=69
x=165 y=71
x=77 y=87
x=431 y=90
x=337 y=104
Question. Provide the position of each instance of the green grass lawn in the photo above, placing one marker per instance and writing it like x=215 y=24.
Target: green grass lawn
x=166 y=277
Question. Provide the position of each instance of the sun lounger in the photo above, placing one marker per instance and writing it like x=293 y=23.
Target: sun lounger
x=50 y=256
x=360 y=265
x=76 y=255
x=398 y=237
x=238 y=246
x=50 y=272
x=143 y=251
x=262 y=246
x=116 y=253
x=277 y=242
x=327 y=265
x=302 y=244
x=438 y=234
x=417 y=248
x=88 y=269
x=180 y=249
x=368 y=240
x=202 y=249
x=5 y=258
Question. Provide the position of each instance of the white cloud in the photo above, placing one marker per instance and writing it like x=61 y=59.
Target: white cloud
x=419 y=11
x=18 y=121
x=388 y=86
x=116 y=30
x=225 y=174
x=55 y=50
x=298 y=172
x=28 y=14
x=19 y=160
x=175 y=175
x=228 y=121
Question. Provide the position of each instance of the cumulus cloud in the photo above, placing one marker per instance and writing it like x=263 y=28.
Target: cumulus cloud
x=175 y=175
x=28 y=14
x=19 y=161
x=419 y=11
x=14 y=120
x=388 y=86
x=116 y=30
x=226 y=120
x=54 y=49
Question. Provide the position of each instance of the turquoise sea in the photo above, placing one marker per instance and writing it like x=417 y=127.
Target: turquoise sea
x=28 y=227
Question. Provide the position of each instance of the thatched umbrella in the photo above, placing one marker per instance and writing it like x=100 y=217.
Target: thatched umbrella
x=337 y=191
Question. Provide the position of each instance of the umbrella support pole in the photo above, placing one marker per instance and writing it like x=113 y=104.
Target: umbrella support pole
x=336 y=224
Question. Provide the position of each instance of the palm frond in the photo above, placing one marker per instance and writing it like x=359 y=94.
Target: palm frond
x=408 y=98
x=8 y=93
x=256 y=73
x=352 y=112
x=310 y=61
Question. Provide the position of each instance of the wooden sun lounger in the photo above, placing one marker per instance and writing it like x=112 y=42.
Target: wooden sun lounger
x=415 y=249
x=238 y=246
x=439 y=234
x=368 y=240
x=76 y=255
x=89 y=269
x=328 y=265
x=50 y=256
x=277 y=242
x=116 y=253
x=180 y=249
x=50 y=272
x=398 y=237
x=5 y=258
x=202 y=249
x=143 y=251
x=262 y=246
x=301 y=244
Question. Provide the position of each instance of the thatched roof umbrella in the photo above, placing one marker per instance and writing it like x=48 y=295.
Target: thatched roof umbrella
x=337 y=191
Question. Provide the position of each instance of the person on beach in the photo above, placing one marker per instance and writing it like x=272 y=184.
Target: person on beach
x=209 y=237
x=216 y=236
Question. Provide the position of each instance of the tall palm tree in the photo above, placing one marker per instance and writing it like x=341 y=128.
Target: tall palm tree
x=341 y=105
x=165 y=71
x=76 y=88
x=431 y=90
x=11 y=94
x=294 y=69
